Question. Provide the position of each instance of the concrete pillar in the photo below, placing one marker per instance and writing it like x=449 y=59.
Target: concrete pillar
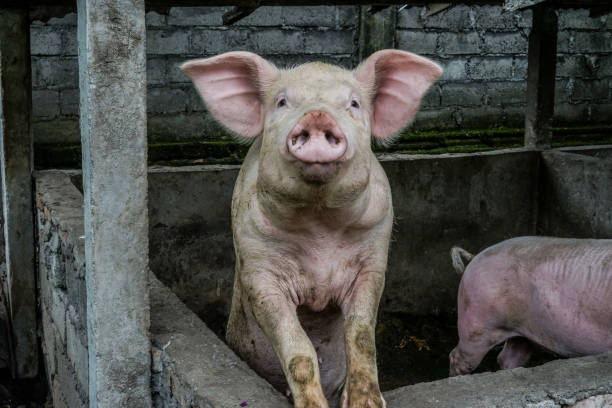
x=542 y=60
x=16 y=153
x=112 y=74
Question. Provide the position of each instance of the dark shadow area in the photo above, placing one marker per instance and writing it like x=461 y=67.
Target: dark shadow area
x=22 y=393
x=414 y=349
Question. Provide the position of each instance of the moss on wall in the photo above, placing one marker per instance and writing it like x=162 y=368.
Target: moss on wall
x=430 y=142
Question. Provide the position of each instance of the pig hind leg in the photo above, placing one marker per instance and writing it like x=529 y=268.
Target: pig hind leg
x=516 y=353
x=472 y=348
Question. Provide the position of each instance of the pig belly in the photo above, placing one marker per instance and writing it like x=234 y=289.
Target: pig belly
x=326 y=332
x=570 y=339
x=574 y=318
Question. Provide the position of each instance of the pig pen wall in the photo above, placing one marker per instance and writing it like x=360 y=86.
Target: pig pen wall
x=472 y=200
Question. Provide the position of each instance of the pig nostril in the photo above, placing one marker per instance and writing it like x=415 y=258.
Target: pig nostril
x=303 y=137
x=294 y=140
x=331 y=139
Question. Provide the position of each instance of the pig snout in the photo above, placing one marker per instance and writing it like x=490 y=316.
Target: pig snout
x=316 y=138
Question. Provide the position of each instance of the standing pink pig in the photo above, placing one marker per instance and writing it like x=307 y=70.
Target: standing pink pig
x=311 y=213
x=555 y=293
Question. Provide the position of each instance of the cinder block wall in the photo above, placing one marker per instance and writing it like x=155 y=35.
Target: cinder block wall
x=483 y=51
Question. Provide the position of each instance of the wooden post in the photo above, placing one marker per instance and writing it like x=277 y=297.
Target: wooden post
x=16 y=158
x=542 y=60
x=376 y=31
x=112 y=73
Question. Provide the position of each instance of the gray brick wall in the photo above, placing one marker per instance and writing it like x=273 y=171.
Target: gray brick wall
x=482 y=49
x=484 y=53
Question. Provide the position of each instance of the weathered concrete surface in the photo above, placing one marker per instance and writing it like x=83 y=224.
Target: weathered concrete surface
x=557 y=384
x=112 y=75
x=472 y=200
x=61 y=277
x=193 y=367
x=576 y=196
x=16 y=160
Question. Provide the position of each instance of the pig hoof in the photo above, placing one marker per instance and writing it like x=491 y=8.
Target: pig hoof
x=362 y=397
x=310 y=402
x=365 y=402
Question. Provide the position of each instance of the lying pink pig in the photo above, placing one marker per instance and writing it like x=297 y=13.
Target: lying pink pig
x=530 y=292
x=311 y=213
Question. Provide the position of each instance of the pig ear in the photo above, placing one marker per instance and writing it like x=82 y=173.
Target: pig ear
x=398 y=80
x=231 y=86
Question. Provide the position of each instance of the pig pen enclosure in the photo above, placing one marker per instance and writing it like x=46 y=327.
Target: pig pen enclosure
x=113 y=334
x=449 y=199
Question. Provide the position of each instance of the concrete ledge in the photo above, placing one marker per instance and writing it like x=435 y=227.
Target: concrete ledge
x=192 y=367
x=57 y=194
x=560 y=383
x=601 y=151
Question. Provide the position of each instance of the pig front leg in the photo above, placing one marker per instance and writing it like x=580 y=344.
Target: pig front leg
x=361 y=388
x=277 y=317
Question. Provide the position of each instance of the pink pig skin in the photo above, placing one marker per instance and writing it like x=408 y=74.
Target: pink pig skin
x=311 y=214
x=555 y=293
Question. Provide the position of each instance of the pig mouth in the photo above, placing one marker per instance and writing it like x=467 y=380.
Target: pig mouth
x=318 y=173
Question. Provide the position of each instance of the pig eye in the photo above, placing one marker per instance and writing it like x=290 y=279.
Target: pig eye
x=281 y=102
x=355 y=104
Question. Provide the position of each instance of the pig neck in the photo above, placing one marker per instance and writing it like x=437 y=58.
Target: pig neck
x=293 y=204
x=312 y=214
